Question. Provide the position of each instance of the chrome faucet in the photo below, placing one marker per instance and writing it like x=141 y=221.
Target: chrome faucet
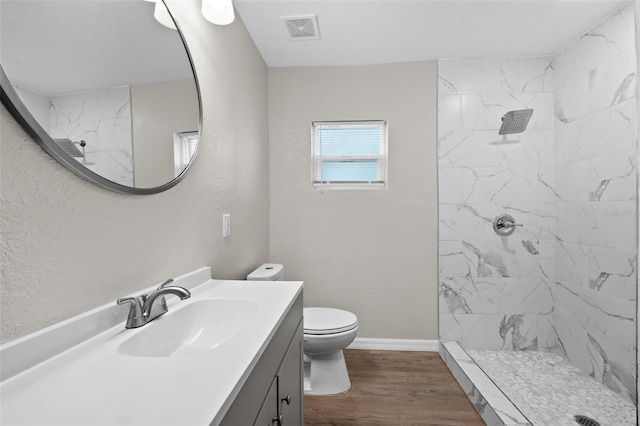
x=143 y=308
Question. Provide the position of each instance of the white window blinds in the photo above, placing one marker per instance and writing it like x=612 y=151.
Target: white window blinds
x=350 y=154
x=185 y=145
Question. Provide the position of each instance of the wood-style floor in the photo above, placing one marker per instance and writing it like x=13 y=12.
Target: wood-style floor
x=394 y=388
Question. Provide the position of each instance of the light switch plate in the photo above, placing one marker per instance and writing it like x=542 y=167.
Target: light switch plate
x=226 y=225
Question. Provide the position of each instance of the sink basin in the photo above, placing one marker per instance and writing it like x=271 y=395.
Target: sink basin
x=197 y=327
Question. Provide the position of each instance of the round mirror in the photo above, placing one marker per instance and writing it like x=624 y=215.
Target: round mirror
x=106 y=87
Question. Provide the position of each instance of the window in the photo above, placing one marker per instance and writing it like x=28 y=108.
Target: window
x=350 y=154
x=184 y=146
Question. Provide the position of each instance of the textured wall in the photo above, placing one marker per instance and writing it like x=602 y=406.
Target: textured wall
x=595 y=155
x=68 y=245
x=372 y=252
x=495 y=292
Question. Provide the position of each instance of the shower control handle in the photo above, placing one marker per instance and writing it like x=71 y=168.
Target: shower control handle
x=505 y=225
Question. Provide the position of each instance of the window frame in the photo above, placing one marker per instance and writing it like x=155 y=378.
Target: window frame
x=184 y=148
x=382 y=158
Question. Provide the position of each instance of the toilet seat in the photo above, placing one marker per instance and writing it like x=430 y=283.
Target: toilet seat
x=320 y=321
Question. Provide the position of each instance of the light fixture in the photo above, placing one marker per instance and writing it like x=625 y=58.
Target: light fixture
x=163 y=16
x=218 y=12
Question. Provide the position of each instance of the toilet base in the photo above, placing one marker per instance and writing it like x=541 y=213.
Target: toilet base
x=326 y=374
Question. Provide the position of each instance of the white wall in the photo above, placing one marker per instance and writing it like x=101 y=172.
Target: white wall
x=68 y=245
x=38 y=105
x=372 y=252
x=158 y=111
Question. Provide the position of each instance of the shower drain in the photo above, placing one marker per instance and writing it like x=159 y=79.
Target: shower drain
x=585 y=421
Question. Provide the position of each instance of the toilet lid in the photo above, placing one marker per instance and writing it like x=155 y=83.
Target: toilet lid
x=328 y=321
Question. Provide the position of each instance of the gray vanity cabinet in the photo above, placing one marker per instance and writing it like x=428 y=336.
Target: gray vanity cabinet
x=269 y=410
x=290 y=377
x=273 y=393
x=283 y=405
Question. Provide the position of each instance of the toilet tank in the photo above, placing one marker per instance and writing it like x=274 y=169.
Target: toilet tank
x=267 y=272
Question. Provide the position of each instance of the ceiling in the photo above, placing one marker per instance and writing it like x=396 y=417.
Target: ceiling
x=353 y=32
x=359 y=32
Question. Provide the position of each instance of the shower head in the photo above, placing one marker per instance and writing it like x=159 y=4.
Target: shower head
x=515 y=121
x=69 y=147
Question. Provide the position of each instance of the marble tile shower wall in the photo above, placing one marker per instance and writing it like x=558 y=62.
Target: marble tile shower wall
x=496 y=292
x=565 y=281
x=595 y=156
x=103 y=119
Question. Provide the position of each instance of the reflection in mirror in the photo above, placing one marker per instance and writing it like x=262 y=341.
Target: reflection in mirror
x=108 y=84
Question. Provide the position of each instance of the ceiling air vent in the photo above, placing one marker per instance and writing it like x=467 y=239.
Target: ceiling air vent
x=302 y=27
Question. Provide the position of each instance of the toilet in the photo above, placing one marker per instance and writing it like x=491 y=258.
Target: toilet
x=327 y=331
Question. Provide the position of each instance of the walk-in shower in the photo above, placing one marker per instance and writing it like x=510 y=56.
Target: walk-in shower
x=546 y=309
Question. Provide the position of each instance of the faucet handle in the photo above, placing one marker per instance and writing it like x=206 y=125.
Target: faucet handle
x=135 y=310
x=133 y=300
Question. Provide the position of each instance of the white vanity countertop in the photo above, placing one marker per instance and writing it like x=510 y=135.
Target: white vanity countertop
x=92 y=383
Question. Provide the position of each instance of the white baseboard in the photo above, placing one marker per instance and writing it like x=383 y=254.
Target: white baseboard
x=395 y=344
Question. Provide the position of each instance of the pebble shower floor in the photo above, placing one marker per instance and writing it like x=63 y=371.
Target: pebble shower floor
x=550 y=391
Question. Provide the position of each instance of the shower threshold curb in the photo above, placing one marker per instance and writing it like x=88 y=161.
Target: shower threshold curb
x=494 y=407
